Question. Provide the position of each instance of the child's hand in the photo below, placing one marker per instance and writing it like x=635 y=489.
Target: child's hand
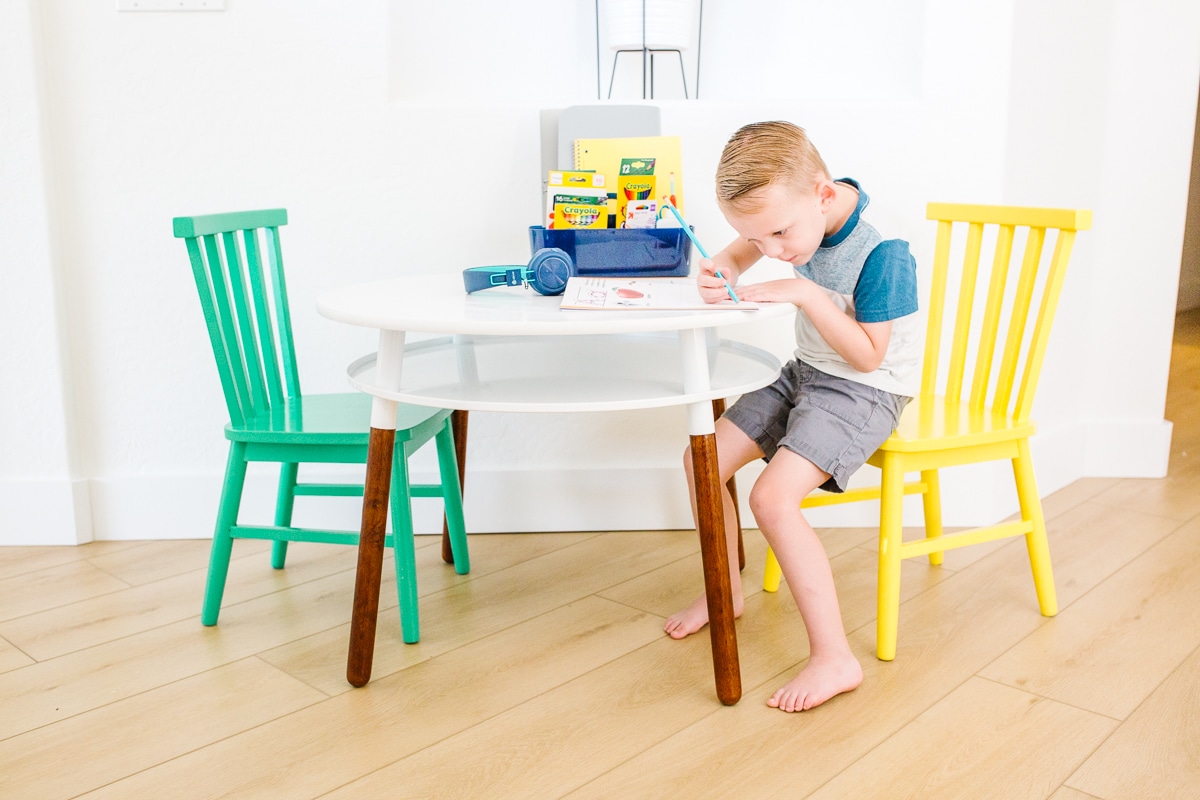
x=712 y=288
x=787 y=290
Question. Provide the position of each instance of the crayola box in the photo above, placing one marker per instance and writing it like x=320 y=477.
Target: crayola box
x=635 y=181
x=576 y=199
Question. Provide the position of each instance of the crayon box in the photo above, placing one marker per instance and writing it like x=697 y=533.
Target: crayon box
x=576 y=199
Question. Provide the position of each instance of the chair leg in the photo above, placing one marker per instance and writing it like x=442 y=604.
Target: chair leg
x=403 y=548
x=284 y=503
x=682 y=73
x=1035 y=541
x=891 y=507
x=932 y=500
x=772 y=573
x=222 y=545
x=452 y=498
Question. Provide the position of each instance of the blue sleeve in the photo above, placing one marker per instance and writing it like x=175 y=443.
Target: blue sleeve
x=887 y=285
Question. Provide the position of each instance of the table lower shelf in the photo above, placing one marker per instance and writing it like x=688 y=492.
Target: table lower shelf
x=557 y=373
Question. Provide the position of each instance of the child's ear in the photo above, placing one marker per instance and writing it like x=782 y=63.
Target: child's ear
x=826 y=193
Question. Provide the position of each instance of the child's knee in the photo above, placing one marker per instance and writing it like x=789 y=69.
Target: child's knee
x=764 y=503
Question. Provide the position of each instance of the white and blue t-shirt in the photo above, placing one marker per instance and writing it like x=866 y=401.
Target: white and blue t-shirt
x=873 y=280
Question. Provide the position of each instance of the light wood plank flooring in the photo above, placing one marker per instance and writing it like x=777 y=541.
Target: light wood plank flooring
x=545 y=674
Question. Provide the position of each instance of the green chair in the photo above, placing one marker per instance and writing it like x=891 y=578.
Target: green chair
x=238 y=267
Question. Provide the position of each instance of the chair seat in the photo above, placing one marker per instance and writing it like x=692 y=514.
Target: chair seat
x=948 y=424
x=328 y=419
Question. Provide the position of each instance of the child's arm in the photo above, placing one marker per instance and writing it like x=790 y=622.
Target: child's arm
x=886 y=290
x=733 y=262
x=862 y=344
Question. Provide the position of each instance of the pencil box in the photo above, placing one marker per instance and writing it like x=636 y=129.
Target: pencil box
x=619 y=252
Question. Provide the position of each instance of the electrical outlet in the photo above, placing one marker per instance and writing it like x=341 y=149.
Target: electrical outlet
x=170 y=5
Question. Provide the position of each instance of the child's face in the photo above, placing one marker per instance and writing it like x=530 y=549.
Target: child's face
x=789 y=223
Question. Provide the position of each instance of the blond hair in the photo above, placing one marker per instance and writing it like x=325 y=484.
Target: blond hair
x=762 y=154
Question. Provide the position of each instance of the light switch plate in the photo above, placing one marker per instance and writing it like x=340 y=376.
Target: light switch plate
x=170 y=5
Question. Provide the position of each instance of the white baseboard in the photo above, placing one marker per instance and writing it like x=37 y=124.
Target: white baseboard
x=513 y=501
x=45 y=512
x=185 y=507
x=635 y=498
x=1118 y=449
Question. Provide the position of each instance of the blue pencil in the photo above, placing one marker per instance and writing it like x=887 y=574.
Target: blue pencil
x=700 y=247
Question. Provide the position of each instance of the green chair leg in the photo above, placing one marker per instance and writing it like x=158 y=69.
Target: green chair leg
x=452 y=499
x=222 y=545
x=404 y=549
x=284 y=503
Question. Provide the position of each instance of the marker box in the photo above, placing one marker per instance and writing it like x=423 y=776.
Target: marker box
x=635 y=181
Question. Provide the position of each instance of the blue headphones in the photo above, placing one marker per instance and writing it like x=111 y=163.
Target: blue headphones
x=546 y=272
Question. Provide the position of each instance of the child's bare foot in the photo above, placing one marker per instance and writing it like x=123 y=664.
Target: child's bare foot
x=694 y=617
x=817 y=682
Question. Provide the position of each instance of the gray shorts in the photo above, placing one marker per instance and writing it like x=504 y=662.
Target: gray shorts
x=833 y=422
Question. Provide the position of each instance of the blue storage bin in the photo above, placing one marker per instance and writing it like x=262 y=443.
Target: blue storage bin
x=620 y=252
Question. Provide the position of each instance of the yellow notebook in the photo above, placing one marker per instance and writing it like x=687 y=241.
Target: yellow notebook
x=604 y=155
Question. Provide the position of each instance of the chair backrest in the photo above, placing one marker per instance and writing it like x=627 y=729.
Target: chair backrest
x=238 y=267
x=1019 y=351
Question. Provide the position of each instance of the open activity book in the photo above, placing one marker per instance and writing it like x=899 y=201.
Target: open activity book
x=661 y=294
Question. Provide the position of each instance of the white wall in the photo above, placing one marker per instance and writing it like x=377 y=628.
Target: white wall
x=42 y=491
x=362 y=122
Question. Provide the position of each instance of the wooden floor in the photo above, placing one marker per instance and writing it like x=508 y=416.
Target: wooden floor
x=545 y=673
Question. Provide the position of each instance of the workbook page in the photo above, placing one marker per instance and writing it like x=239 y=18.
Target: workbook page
x=641 y=293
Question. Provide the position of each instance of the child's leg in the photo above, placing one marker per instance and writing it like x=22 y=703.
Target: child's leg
x=734 y=450
x=775 y=501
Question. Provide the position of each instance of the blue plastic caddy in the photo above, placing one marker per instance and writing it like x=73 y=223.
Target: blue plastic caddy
x=619 y=252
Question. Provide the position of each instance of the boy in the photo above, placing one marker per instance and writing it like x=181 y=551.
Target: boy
x=855 y=368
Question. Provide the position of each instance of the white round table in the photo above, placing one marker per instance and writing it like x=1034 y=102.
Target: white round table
x=510 y=349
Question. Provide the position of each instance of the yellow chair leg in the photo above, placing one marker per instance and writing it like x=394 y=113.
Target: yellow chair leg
x=1035 y=540
x=891 y=507
x=771 y=573
x=932 y=499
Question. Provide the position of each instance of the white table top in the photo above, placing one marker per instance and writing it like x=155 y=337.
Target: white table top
x=438 y=304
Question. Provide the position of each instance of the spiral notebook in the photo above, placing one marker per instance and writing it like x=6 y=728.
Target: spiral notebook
x=604 y=155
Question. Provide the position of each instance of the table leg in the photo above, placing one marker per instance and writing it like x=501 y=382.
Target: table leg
x=376 y=490
x=458 y=425
x=714 y=554
x=710 y=519
x=370 y=556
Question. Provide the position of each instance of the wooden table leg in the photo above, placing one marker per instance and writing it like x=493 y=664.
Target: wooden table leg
x=370 y=556
x=731 y=484
x=458 y=426
x=714 y=553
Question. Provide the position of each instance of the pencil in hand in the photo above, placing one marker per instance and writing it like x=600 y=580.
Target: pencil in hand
x=704 y=253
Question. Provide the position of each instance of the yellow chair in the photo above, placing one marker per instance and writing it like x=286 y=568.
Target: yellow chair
x=942 y=429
